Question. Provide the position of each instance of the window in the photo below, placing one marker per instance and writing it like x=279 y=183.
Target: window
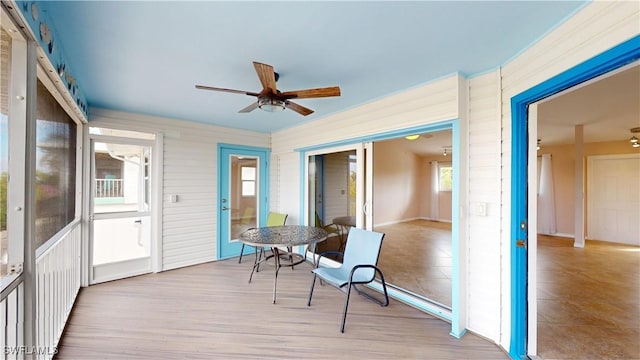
x=445 y=179
x=248 y=177
x=55 y=167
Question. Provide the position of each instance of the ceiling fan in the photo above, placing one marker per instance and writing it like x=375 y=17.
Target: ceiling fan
x=271 y=99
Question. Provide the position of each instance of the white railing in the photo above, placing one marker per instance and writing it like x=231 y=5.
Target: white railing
x=57 y=285
x=109 y=188
x=11 y=310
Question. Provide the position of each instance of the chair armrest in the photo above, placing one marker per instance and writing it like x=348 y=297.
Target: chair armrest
x=375 y=268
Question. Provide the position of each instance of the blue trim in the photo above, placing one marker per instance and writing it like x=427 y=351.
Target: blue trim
x=263 y=154
x=456 y=329
x=443 y=125
x=37 y=19
x=549 y=31
x=415 y=301
x=614 y=58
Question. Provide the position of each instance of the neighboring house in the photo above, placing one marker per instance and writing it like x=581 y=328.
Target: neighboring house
x=486 y=113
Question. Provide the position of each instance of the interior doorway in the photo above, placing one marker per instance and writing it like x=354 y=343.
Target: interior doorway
x=522 y=334
x=600 y=158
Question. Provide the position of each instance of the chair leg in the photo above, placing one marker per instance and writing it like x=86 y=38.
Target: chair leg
x=311 y=291
x=384 y=287
x=346 y=306
x=241 y=251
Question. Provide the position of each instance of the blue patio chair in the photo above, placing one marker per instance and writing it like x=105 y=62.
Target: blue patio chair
x=359 y=266
x=273 y=219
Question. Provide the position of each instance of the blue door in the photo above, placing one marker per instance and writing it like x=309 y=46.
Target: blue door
x=242 y=194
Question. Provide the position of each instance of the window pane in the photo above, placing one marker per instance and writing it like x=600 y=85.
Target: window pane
x=5 y=71
x=122 y=178
x=248 y=173
x=248 y=188
x=55 y=167
x=445 y=178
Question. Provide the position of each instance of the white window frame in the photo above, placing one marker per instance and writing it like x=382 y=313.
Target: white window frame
x=441 y=166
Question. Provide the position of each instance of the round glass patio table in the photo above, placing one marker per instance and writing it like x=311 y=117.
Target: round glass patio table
x=276 y=237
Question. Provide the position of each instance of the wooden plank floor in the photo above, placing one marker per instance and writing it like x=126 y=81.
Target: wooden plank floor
x=209 y=311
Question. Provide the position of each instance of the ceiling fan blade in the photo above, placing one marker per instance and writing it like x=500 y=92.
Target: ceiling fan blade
x=249 y=108
x=267 y=76
x=298 y=108
x=202 y=87
x=312 y=93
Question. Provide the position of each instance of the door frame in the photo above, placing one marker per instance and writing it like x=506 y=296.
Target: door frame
x=223 y=181
x=153 y=212
x=614 y=58
x=457 y=314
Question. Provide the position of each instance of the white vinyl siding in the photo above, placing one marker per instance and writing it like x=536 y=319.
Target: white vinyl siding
x=189 y=226
x=285 y=191
x=427 y=104
x=484 y=189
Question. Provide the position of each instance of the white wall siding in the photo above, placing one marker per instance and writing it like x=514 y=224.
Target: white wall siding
x=429 y=103
x=484 y=188
x=288 y=184
x=598 y=27
x=189 y=227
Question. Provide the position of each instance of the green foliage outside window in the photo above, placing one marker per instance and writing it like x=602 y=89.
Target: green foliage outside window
x=446 y=179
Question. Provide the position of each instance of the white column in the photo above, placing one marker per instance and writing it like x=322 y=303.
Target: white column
x=579 y=187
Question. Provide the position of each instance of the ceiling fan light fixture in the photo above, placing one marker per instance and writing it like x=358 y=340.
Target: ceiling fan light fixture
x=270 y=104
x=412 y=137
x=633 y=140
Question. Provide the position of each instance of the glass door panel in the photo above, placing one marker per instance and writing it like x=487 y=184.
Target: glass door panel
x=243 y=198
x=334 y=195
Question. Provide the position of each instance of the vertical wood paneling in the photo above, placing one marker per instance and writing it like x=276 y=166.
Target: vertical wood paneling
x=189 y=227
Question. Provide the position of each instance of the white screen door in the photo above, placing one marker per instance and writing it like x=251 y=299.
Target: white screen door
x=120 y=208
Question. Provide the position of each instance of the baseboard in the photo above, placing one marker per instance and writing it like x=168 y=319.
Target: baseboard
x=564 y=235
x=407 y=220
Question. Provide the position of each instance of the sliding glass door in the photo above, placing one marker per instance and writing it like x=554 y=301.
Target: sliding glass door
x=335 y=196
x=392 y=192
